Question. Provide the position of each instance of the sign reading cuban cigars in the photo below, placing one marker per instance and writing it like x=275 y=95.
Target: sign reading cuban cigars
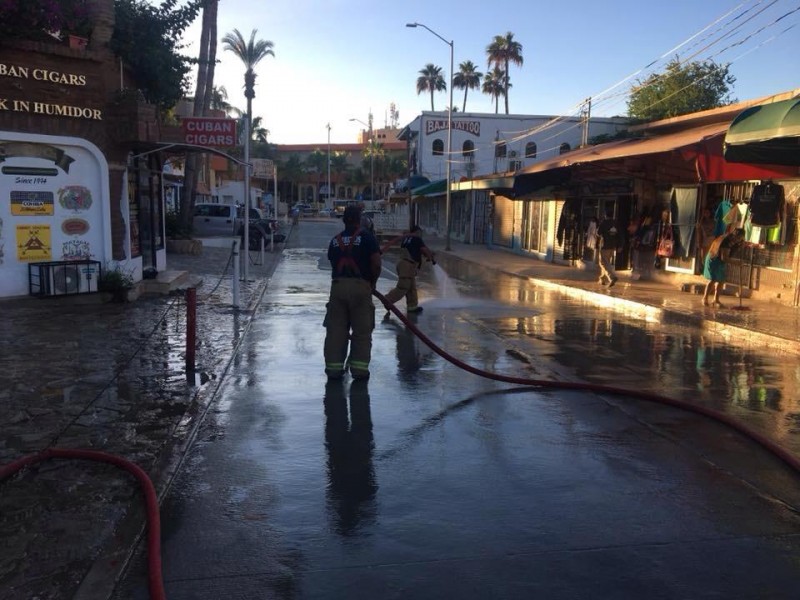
x=209 y=131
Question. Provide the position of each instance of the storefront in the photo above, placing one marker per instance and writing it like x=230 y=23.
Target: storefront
x=71 y=192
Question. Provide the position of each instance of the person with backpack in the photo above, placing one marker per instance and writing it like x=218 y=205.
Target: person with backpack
x=355 y=259
x=412 y=250
x=610 y=237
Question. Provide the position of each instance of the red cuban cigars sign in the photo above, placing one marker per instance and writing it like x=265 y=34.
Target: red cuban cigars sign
x=207 y=131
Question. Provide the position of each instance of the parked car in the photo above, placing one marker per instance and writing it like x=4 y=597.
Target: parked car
x=305 y=209
x=215 y=219
x=328 y=212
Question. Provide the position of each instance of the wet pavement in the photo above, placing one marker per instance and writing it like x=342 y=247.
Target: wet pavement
x=428 y=483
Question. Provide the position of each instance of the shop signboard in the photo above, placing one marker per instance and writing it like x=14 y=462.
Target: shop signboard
x=208 y=131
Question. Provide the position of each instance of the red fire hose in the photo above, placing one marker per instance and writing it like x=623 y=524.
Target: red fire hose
x=154 y=580
x=760 y=439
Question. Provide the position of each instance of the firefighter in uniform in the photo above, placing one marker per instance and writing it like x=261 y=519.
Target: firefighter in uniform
x=356 y=265
x=412 y=249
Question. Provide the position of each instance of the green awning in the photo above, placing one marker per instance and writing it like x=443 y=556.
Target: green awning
x=435 y=188
x=766 y=134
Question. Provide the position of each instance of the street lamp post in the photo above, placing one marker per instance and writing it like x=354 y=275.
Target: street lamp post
x=328 y=199
x=449 y=134
x=371 y=156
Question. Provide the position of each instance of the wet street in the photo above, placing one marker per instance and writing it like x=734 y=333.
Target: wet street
x=429 y=482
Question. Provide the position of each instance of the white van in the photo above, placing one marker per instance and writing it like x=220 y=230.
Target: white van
x=215 y=219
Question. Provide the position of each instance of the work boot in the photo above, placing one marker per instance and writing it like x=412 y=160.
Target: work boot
x=359 y=375
x=334 y=375
x=413 y=309
x=612 y=282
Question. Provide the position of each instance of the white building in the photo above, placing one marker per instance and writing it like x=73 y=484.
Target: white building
x=484 y=143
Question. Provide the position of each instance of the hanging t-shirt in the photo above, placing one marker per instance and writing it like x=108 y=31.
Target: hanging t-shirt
x=766 y=204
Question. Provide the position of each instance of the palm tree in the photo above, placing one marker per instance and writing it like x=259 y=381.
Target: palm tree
x=206 y=60
x=219 y=99
x=257 y=132
x=493 y=85
x=431 y=80
x=467 y=78
x=503 y=51
x=250 y=53
x=292 y=171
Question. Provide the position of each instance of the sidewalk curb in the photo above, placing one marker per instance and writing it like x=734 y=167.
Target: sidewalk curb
x=732 y=334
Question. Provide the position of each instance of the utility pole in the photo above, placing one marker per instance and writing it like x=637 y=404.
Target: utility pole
x=586 y=115
x=328 y=203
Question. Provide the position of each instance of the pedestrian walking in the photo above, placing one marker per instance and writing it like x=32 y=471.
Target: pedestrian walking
x=412 y=251
x=610 y=240
x=350 y=319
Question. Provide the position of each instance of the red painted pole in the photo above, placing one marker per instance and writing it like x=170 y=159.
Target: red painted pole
x=191 y=328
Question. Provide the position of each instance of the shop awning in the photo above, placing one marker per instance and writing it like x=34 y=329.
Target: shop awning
x=484 y=183
x=627 y=148
x=766 y=134
x=435 y=188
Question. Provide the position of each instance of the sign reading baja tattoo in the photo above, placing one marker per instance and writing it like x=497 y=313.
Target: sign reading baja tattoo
x=206 y=131
x=472 y=127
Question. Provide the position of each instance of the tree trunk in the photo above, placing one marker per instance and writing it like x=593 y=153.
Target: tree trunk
x=506 y=86
x=202 y=100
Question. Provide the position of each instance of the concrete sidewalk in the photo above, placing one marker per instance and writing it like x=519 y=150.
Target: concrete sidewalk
x=77 y=373
x=759 y=322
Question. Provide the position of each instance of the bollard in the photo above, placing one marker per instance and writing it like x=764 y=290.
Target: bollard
x=262 y=251
x=191 y=328
x=235 y=252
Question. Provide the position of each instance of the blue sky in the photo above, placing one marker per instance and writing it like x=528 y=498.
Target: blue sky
x=339 y=59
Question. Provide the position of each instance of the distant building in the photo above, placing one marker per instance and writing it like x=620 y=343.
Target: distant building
x=483 y=143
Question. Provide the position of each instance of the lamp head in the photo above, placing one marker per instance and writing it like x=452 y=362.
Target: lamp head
x=411 y=24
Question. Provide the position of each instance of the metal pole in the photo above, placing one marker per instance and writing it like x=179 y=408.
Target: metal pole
x=449 y=133
x=328 y=199
x=247 y=190
x=235 y=255
x=371 y=159
x=191 y=328
x=449 y=150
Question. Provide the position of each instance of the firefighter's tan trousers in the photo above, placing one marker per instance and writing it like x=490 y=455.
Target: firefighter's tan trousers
x=406 y=281
x=350 y=307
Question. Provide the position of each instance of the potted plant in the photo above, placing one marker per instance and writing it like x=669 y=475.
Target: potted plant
x=116 y=282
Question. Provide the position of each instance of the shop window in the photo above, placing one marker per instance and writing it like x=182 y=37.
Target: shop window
x=468 y=149
x=340 y=192
x=530 y=150
x=438 y=147
x=564 y=148
x=500 y=150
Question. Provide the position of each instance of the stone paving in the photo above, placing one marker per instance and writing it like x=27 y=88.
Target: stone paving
x=76 y=373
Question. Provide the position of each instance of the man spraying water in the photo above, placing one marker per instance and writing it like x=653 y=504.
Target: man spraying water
x=412 y=250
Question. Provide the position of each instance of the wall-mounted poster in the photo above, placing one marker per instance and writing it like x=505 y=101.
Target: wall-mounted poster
x=51 y=192
x=28 y=203
x=33 y=243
